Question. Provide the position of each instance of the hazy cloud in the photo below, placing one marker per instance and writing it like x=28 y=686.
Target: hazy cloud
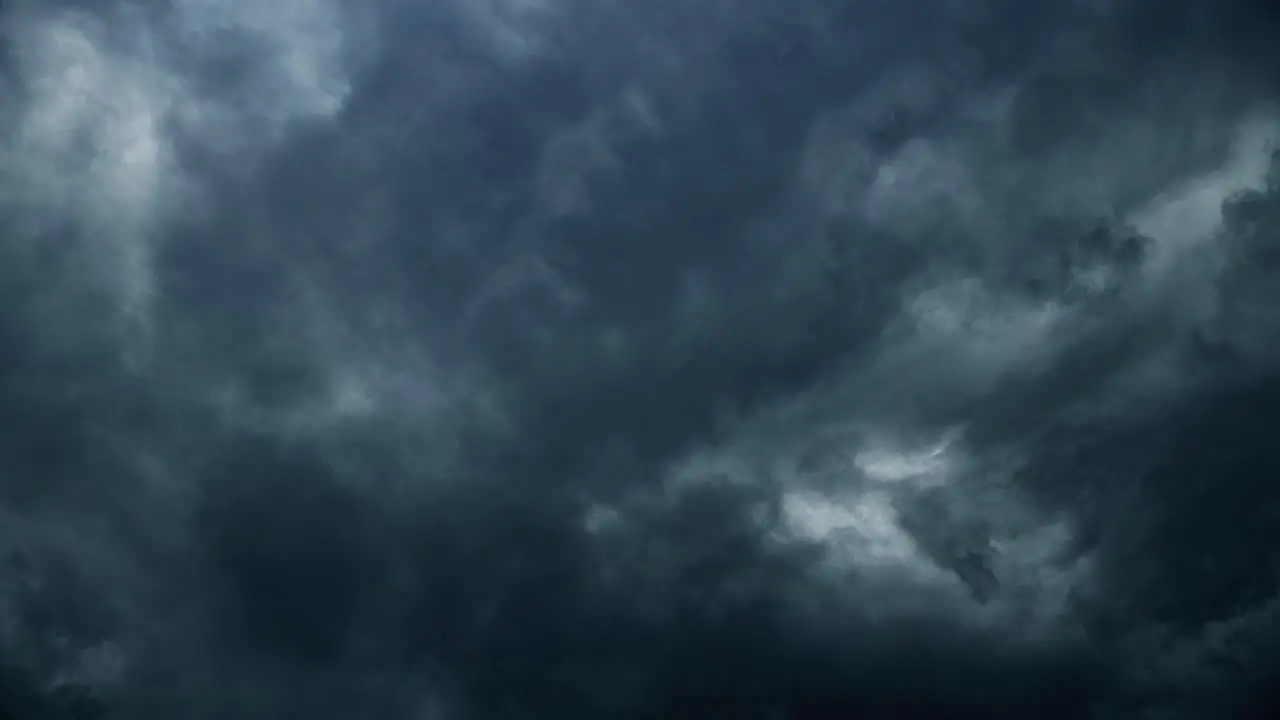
x=566 y=359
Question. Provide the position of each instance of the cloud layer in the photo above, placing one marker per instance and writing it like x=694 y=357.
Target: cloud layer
x=564 y=359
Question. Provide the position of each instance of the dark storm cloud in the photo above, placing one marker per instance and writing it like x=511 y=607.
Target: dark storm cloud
x=550 y=358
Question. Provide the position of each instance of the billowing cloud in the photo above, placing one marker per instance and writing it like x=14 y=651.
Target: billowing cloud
x=567 y=359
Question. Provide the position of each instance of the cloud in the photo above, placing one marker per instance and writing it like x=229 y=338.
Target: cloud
x=99 y=153
x=589 y=359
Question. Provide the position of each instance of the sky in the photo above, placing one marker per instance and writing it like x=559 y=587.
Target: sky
x=436 y=359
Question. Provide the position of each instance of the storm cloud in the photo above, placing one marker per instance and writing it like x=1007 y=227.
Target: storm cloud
x=553 y=358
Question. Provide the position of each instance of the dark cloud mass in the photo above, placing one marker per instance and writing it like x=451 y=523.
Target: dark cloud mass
x=436 y=359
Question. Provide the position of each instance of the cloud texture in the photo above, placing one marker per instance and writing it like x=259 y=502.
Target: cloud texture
x=553 y=358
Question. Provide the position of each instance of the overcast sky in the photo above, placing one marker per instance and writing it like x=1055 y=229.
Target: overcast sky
x=435 y=359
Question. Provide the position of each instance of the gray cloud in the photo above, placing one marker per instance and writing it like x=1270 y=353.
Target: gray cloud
x=554 y=359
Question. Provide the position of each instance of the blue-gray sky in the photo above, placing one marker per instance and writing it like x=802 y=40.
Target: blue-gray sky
x=597 y=359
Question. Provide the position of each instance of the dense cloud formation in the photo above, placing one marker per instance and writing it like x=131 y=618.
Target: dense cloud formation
x=437 y=359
